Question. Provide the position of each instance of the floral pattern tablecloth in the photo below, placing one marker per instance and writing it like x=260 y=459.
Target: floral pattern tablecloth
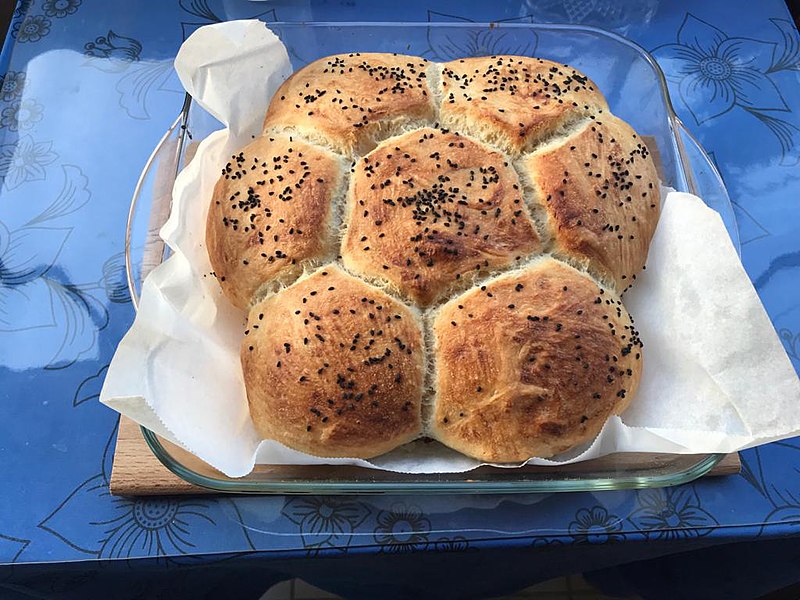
x=87 y=89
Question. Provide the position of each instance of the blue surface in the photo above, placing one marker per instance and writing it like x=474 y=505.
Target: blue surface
x=88 y=90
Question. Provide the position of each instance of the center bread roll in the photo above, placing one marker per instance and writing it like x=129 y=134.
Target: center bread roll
x=432 y=210
x=492 y=210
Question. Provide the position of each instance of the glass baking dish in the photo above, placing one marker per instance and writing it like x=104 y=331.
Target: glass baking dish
x=636 y=91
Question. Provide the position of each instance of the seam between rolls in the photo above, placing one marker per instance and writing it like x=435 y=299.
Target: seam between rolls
x=433 y=75
x=429 y=392
x=569 y=128
x=536 y=209
x=320 y=142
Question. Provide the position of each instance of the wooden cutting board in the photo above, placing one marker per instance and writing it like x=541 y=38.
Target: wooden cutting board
x=137 y=472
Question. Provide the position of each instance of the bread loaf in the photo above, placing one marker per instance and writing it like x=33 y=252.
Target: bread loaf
x=436 y=250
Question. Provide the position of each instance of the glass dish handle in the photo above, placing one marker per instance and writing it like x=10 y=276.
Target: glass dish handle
x=144 y=248
x=706 y=181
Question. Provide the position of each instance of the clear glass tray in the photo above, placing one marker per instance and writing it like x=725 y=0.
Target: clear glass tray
x=636 y=91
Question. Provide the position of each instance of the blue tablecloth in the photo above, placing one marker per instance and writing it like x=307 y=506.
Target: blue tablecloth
x=75 y=130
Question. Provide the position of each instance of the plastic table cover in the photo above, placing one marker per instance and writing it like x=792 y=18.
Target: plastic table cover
x=75 y=130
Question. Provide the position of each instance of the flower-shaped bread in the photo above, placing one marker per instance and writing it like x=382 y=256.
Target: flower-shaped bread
x=454 y=238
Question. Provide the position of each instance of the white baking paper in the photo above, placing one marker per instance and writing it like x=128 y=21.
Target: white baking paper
x=716 y=377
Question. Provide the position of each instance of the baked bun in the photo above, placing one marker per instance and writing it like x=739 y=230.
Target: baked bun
x=531 y=364
x=599 y=189
x=498 y=196
x=514 y=102
x=334 y=367
x=352 y=101
x=430 y=210
x=272 y=214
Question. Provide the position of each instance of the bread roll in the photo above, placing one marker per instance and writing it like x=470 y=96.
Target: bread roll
x=334 y=367
x=514 y=102
x=272 y=214
x=429 y=211
x=531 y=364
x=599 y=190
x=352 y=101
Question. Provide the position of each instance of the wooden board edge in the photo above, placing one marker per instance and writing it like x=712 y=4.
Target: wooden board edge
x=137 y=472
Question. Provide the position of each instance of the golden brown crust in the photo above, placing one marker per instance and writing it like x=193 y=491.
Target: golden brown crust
x=532 y=364
x=600 y=190
x=514 y=101
x=334 y=367
x=430 y=209
x=354 y=100
x=270 y=213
